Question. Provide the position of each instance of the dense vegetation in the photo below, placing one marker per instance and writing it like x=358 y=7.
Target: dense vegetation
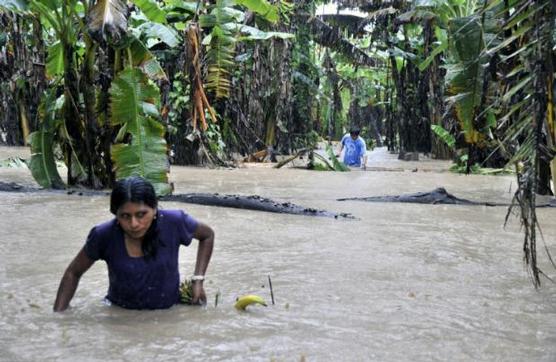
x=114 y=88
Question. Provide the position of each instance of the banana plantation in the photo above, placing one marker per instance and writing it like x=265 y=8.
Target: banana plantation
x=112 y=88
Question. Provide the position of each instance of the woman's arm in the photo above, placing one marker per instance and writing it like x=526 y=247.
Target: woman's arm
x=80 y=264
x=205 y=235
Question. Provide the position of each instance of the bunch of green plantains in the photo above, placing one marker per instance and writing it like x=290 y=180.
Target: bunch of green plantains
x=186 y=292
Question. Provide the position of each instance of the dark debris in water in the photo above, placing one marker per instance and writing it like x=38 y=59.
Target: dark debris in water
x=252 y=202
x=436 y=196
x=249 y=202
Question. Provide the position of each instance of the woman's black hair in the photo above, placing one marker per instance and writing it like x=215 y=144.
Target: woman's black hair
x=137 y=189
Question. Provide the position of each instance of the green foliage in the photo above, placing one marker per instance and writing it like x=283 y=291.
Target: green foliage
x=338 y=166
x=145 y=60
x=154 y=31
x=55 y=60
x=220 y=48
x=444 y=135
x=466 y=77
x=261 y=7
x=214 y=137
x=151 y=10
x=461 y=165
x=43 y=163
x=134 y=104
x=440 y=48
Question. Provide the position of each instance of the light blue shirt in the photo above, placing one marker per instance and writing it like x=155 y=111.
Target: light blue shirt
x=353 y=150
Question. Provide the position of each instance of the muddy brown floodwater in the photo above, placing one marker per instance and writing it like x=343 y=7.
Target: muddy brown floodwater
x=403 y=282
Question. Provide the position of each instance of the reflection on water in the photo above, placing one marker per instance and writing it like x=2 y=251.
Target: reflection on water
x=403 y=282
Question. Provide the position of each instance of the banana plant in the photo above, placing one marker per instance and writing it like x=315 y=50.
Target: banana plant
x=140 y=147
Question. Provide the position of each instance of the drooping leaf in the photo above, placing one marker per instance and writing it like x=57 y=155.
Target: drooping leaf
x=107 y=17
x=55 y=60
x=47 y=14
x=338 y=166
x=145 y=60
x=261 y=7
x=43 y=164
x=441 y=47
x=151 y=10
x=163 y=32
x=181 y=6
x=444 y=135
x=132 y=100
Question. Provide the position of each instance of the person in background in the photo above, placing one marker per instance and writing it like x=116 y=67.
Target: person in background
x=355 y=154
x=140 y=247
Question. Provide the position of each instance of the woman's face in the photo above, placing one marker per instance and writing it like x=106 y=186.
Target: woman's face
x=135 y=218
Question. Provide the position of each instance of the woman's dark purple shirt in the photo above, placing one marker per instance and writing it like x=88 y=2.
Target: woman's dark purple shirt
x=139 y=282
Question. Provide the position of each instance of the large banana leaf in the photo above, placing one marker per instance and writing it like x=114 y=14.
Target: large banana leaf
x=43 y=164
x=55 y=60
x=133 y=103
x=107 y=16
x=151 y=10
x=165 y=33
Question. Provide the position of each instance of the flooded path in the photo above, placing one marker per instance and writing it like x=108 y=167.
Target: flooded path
x=403 y=282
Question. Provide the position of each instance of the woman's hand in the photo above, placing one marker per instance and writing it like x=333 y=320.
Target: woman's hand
x=205 y=235
x=199 y=296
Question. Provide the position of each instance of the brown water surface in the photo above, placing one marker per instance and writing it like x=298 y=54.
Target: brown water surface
x=402 y=282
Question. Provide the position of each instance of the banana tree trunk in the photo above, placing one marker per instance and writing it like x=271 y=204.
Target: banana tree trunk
x=73 y=121
x=87 y=88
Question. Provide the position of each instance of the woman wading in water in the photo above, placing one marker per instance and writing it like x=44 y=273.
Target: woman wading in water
x=140 y=247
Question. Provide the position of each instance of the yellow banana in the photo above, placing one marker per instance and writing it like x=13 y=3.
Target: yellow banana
x=244 y=301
